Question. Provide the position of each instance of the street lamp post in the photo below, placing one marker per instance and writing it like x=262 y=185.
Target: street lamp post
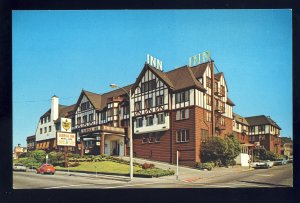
x=130 y=129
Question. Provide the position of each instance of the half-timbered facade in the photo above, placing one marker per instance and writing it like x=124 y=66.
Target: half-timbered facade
x=101 y=122
x=174 y=111
x=240 y=128
x=265 y=132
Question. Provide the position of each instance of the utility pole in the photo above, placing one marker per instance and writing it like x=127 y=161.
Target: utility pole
x=212 y=97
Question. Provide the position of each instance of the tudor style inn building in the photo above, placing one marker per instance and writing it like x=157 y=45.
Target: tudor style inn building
x=172 y=111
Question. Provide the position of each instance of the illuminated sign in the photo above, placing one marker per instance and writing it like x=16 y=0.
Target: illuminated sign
x=199 y=58
x=154 y=62
x=66 y=139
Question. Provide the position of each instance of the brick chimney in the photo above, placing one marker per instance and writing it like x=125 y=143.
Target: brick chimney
x=54 y=107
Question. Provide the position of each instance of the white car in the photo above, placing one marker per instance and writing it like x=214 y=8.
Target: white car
x=265 y=164
x=19 y=167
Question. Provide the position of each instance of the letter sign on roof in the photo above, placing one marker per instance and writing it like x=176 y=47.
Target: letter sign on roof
x=154 y=62
x=199 y=58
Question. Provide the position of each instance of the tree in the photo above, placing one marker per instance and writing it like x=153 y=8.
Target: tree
x=233 y=148
x=220 y=151
x=38 y=155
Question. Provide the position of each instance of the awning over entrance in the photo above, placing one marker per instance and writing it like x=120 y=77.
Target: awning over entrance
x=97 y=130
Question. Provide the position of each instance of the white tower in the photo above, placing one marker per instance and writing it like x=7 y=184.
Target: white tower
x=54 y=107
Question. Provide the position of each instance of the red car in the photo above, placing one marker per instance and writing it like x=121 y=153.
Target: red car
x=46 y=168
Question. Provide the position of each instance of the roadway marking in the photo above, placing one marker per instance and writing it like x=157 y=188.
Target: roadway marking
x=64 y=186
x=120 y=186
x=266 y=175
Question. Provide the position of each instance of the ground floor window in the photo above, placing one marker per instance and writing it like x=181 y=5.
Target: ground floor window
x=204 y=135
x=182 y=135
x=151 y=138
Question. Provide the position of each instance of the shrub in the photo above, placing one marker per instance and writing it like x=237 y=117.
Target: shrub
x=155 y=172
x=147 y=165
x=74 y=164
x=208 y=165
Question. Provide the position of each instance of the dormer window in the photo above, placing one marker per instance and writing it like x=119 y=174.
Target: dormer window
x=85 y=106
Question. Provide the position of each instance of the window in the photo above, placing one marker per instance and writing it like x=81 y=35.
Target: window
x=261 y=128
x=161 y=118
x=148 y=86
x=125 y=110
x=41 y=131
x=45 y=119
x=160 y=100
x=182 y=114
x=91 y=117
x=84 y=106
x=73 y=121
x=182 y=135
x=145 y=138
x=149 y=120
x=148 y=103
x=49 y=128
x=252 y=129
x=222 y=90
x=109 y=112
x=208 y=100
x=204 y=135
x=78 y=120
x=262 y=137
x=45 y=129
x=139 y=122
x=151 y=138
x=222 y=121
x=208 y=82
x=42 y=120
x=138 y=106
x=103 y=115
x=238 y=126
x=48 y=118
x=208 y=116
x=182 y=96
x=85 y=119
x=116 y=111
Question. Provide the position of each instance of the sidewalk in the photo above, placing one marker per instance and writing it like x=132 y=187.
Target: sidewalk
x=188 y=174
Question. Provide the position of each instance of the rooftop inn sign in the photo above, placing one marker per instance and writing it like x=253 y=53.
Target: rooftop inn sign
x=199 y=58
x=154 y=62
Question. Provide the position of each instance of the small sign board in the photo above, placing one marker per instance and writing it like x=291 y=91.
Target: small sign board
x=66 y=139
x=199 y=58
x=98 y=143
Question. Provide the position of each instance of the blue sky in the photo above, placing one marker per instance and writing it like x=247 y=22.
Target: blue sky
x=61 y=52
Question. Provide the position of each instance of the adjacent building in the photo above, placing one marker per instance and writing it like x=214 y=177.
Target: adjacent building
x=265 y=132
x=18 y=150
x=52 y=122
x=30 y=143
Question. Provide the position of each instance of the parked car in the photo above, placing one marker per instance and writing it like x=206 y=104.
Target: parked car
x=265 y=164
x=46 y=168
x=280 y=162
x=290 y=161
x=19 y=167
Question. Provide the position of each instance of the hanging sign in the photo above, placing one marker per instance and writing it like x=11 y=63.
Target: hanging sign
x=154 y=62
x=199 y=58
x=66 y=139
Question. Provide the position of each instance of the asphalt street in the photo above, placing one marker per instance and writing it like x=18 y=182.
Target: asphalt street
x=278 y=176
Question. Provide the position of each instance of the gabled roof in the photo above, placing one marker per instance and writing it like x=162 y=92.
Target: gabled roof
x=229 y=102
x=261 y=120
x=157 y=72
x=179 y=78
x=199 y=70
x=67 y=111
x=183 y=77
x=240 y=119
x=114 y=93
x=94 y=98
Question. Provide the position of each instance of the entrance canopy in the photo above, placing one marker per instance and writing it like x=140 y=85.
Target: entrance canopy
x=96 y=130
